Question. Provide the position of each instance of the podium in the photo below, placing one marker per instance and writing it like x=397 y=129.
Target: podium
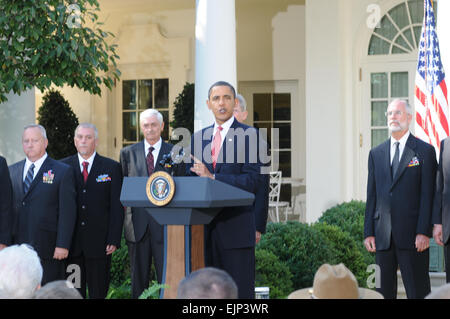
x=196 y=202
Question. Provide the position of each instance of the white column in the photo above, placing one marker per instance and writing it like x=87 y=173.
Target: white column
x=15 y=114
x=215 y=52
x=443 y=25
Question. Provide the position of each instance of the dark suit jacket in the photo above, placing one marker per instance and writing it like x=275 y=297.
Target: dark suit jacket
x=236 y=225
x=133 y=162
x=5 y=203
x=441 y=207
x=401 y=205
x=100 y=213
x=45 y=216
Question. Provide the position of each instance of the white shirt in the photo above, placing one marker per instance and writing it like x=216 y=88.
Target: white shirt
x=157 y=148
x=37 y=166
x=90 y=160
x=401 y=147
x=225 y=128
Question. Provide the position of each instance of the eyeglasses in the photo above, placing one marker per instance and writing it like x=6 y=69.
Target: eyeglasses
x=390 y=113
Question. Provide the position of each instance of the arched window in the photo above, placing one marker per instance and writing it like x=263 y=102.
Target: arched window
x=399 y=29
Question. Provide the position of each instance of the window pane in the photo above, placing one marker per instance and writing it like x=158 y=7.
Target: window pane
x=401 y=42
x=165 y=133
x=145 y=94
x=378 y=110
x=417 y=32
x=267 y=126
x=379 y=85
x=161 y=93
x=285 y=192
x=284 y=134
x=399 y=84
x=408 y=35
x=400 y=16
x=416 y=10
x=261 y=107
x=129 y=127
x=129 y=95
x=378 y=46
x=379 y=136
x=397 y=50
x=282 y=107
x=386 y=29
x=284 y=162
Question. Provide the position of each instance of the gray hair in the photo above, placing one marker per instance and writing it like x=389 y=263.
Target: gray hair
x=20 y=272
x=207 y=283
x=58 y=289
x=87 y=125
x=149 y=113
x=242 y=102
x=408 y=107
x=40 y=127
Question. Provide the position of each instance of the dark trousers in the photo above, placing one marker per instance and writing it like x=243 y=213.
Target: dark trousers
x=239 y=263
x=53 y=269
x=95 y=273
x=144 y=251
x=414 y=267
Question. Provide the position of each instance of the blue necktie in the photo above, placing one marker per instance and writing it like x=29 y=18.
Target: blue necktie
x=28 y=179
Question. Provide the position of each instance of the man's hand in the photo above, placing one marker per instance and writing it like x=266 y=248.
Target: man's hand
x=60 y=253
x=200 y=169
x=258 y=237
x=369 y=242
x=422 y=242
x=437 y=234
x=110 y=249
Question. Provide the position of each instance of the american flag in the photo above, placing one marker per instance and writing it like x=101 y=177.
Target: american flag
x=431 y=103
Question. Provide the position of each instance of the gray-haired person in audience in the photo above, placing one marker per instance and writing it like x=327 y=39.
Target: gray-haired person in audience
x=207 y=283
x=58 y=289
x=20 y=272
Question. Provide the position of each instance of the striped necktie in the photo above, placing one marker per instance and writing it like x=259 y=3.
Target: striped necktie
x=28 y=179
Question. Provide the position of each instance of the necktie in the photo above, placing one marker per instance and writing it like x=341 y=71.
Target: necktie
x=395 y=160
x=85 y=171
x=215 y=149
x=28 y=179
x=150 y=164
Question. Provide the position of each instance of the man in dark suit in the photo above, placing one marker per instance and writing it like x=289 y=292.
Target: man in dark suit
x=261 y=204
x=400 y=191
x=142 y=159
x=5 y=205
x=441 y=206
x=44 y=203
x=100 y=215
x=224 y=155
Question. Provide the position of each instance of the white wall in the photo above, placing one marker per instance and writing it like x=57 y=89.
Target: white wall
x=16 y=113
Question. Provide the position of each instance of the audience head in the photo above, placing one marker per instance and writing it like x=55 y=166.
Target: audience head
x=240 y=110
x=59 y=289
x=152 y=125
x=34 y=141
x=334 y=282
x=207 y=283
x=20 y=272
x=443 y=292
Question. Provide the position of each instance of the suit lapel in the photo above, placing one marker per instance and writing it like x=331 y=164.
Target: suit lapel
x=95 y=169
x=228 y=140
x=76 y=165
x=17 y=176
x=141 y=162
x=45 y=167
x=407 y=155
x=207 y=140
x=387 y=159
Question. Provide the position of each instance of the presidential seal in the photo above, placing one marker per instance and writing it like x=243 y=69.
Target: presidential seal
x=160 y=188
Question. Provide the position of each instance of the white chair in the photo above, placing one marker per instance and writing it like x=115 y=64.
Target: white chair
x=274 y=198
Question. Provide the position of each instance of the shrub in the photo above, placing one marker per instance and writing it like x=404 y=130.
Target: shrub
x=344 y=250
x=301 y=247
x=350 y=218
x=272 y=273
x=120 y=265
x=60 y=123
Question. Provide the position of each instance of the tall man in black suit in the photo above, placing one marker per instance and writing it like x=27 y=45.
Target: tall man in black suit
x=100 y=214
x=441 y=207
x=224 y=155
x=400 y=191
x=44 y=203
x=142 y=159
x=5 y=205
x=261 y=204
